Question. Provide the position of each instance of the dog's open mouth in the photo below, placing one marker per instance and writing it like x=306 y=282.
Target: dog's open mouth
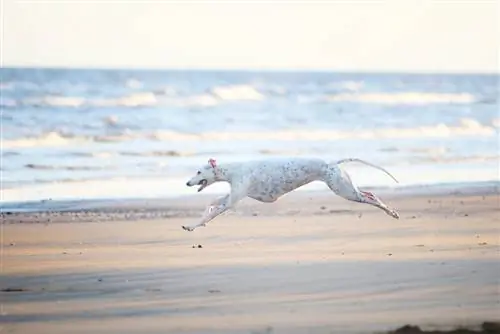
x=202 y=184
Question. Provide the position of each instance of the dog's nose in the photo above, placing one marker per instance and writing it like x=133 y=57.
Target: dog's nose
x=187 y=183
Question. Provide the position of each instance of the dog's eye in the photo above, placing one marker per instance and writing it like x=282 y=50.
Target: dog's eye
x=198 y=173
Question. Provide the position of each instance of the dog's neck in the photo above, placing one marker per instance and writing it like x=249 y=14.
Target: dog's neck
x=223 y=174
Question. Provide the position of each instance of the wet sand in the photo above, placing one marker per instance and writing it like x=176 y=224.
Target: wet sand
x=309 y=263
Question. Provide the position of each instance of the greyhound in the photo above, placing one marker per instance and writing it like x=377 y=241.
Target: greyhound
x=267 y=180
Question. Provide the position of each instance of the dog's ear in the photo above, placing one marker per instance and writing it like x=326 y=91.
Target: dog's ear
x=212 y=162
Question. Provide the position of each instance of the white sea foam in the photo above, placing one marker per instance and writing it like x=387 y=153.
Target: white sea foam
x=56 y=101
x=467 y=127
x=132 y=100
x=408 y=98
x=225 y=94
x=237 y=93
x=214 y=97
x=48 y=139
x=133 y=83
x=168 y=91
x=349 y=85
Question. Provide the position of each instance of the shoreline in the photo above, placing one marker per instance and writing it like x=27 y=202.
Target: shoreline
x=163 y=203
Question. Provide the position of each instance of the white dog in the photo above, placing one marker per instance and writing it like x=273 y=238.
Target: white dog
x=268 y=180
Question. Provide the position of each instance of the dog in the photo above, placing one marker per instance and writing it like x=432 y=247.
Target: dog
x=267 y=180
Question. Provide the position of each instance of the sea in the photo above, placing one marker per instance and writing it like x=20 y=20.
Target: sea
x=82 y=134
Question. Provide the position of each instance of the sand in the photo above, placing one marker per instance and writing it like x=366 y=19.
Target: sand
x=310 y=263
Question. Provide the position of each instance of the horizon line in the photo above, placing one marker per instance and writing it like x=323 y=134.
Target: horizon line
x=249 y=69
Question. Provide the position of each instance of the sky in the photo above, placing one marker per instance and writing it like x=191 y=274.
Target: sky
x=370 y=35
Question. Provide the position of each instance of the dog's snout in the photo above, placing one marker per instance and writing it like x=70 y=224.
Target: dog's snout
x=187 y=183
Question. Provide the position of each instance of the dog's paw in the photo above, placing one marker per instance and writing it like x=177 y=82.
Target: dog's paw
x=394 y=214
x=188 y=228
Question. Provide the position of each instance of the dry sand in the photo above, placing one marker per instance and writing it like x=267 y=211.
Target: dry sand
x=306 y=264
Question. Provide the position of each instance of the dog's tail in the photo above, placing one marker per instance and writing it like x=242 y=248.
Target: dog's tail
x=368 y=164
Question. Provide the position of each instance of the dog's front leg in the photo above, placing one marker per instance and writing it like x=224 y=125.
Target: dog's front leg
x=219 y=206
x=210 y=212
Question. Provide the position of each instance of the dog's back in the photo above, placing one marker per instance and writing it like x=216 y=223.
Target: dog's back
x=280 y=175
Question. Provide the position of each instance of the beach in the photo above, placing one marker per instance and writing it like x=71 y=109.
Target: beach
x=309 y=263
x=94 y=164
x=113 y=113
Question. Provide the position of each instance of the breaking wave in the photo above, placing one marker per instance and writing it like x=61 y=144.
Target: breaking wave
x=349 y=92
x=212 y=97
x=132 y=100
x=69 y=168
x=170 y=153
x=467 y=127
x=408 y=98
x=456 y=159
x=237 y=93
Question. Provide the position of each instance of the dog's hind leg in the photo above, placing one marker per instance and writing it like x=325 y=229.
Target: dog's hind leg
x=370 y=198
x=341 y=184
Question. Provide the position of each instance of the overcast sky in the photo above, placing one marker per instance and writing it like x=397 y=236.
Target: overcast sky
x=391 y=35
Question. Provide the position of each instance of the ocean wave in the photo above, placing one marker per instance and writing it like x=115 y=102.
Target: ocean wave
x=55 y=101
x=7 y=103
x=170 y=153
x=92 y=154
x=439 y=155
x=467 y=127
x=145 y=99
x=455 y=159
x=132 y=100
x=133 y=83
x=69 y=168
x=212 y=97
x=350 y=92
x=167 y=153
x=4 y=153
x=54 y=138
x=408 y=98
x=19 y=85
x=433 y=151
x=48 y=139
x=202 y=100
x=281 y=152
x=236 y=93
x=349 y=85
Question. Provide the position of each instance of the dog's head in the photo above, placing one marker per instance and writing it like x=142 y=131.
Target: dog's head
x=205 y=176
